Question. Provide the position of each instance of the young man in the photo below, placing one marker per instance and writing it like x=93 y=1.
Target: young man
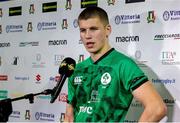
x=102 y=87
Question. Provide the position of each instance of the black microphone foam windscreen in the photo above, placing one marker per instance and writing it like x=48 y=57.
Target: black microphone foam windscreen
x=67 y=67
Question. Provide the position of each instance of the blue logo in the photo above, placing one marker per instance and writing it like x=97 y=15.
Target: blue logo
x=166 y=15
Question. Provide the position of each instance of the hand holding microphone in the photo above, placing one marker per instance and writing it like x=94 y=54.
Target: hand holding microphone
x=66 y=69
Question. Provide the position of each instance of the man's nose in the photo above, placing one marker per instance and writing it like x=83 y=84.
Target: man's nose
x=88 y=34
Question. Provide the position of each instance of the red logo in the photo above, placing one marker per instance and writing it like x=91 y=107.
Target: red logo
x=38 y=77
x=63 y=97
x=3 y=77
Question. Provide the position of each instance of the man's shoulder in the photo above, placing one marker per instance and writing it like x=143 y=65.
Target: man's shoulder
x=84 y=63
x=121 y=56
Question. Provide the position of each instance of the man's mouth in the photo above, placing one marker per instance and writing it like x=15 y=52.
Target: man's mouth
x=90 y=44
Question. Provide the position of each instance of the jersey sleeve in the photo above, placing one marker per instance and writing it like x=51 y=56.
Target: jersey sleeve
x=71 y=91
x=132 y=75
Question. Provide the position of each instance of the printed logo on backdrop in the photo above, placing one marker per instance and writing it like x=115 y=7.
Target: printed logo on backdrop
x=75 y=23
x=164 y=81
x=139 y=61
x=1 y=12
x=175 y=36
x=110 y=2
x=62 y=117
x=169 y=102
x=15 y=11
x=136 y=103
x=127 y=39
x=64 y=24
x=46 y=26
x=54 y=79
x=151 y=17
x=58 y=58
x=127 y=19
x=44 y=97
x=28 y=44
x=27 y=115
x=14 y=28
x=80 y=41
x=15 y=114
x=15 y=60
x=49 y=7
x=5 y=44
x=88 y=3
x=38 y=63
x=57 y=42
x=3 y=77
x=38 y=79
x=134 y=1
x=68 y=5
x=0 y=29
x=81 y=58
x=170 y=58
x=31 y=9
x=0 y=60
x=44 y=116
x=171 y=15
x=21 y=78
x=29 y=27
x=63 y=97
x=3 y=94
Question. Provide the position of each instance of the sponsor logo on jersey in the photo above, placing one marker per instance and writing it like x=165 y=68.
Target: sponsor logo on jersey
x=94 y=96
x=85 y=109
x=105 y=78
x=78 y=80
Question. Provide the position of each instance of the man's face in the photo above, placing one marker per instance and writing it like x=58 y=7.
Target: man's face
x=94 y=34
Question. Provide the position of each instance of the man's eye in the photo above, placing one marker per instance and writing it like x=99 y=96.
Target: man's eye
x=82 y=30
x=93 y=28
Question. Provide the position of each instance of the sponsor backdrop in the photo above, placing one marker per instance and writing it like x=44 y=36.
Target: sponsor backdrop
x=36 y=35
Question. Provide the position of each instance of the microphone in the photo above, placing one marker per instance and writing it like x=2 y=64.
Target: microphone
x=66 y=69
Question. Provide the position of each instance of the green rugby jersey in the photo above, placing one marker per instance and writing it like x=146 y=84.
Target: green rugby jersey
x=101 y=91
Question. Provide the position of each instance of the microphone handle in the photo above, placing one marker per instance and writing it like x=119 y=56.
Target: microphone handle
x=58 y=88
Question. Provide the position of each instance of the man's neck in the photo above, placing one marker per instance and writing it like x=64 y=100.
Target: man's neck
x=96 y=56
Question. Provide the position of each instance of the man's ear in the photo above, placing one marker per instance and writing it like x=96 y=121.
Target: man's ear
x=108 y=30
